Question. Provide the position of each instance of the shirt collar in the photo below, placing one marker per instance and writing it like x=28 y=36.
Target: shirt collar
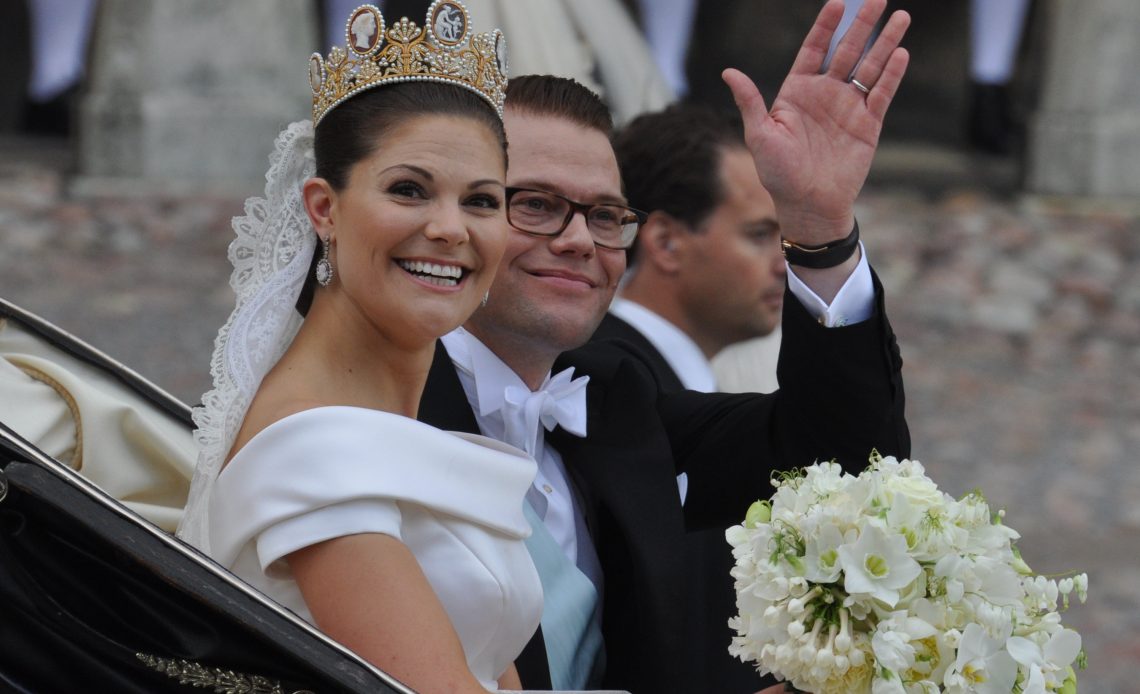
x=678 y=349
x=491 y=374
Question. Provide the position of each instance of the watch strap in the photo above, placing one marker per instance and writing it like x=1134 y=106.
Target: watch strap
x=823 y=256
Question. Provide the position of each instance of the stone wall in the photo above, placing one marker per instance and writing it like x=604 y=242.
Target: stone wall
x=193 y=92
x=1085 y=137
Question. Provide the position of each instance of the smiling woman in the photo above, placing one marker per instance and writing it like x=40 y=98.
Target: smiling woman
x=416 y=231
x=381 y=230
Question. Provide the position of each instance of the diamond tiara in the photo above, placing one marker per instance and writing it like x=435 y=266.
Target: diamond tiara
x=443 y=50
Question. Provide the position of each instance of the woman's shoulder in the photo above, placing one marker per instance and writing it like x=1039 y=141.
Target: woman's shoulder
x=264 y=413
x=329 y=455
x=333 y=425
x=349 y=437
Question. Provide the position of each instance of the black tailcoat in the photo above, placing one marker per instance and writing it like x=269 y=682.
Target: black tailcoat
x=841 y=396
x=710 y=598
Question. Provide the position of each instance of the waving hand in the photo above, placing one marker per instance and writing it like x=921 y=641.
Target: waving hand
x=814 y=148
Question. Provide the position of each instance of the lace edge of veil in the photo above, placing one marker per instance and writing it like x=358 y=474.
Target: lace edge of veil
x=271 y=253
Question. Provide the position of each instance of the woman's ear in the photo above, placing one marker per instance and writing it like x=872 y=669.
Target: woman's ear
x=659 y=241
x=320 y=203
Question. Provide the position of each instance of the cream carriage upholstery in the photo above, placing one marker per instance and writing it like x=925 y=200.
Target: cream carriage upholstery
x=95 y=415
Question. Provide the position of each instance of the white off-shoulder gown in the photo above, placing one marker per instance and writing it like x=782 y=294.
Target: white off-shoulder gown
x=456 y=500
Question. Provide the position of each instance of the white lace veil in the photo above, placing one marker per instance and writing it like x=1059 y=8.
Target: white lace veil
x=271 y=257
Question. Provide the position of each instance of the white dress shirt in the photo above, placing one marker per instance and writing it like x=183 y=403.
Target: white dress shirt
x=680 y=352
x=485 y=379
x=854 y=303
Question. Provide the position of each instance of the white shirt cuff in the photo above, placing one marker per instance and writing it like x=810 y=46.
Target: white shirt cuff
x=854 y=303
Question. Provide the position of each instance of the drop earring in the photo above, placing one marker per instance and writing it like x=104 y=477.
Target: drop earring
x=486 y=295
x=324 y=267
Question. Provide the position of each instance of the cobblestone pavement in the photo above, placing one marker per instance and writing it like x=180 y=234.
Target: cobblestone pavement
x=1018 y=317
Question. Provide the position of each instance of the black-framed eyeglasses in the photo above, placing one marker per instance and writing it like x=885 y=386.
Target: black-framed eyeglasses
x=544 y=213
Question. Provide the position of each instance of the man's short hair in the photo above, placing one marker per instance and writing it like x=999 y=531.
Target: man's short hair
x=560 y=97
x=670 y=160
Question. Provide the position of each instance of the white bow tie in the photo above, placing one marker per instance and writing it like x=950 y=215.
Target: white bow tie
x=561 y=401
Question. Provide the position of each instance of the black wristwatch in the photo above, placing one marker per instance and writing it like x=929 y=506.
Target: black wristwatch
x=825 y=256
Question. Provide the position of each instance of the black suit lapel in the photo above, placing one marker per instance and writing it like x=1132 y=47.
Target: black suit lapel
x=570 y=448
x=614 y=328
x=444 y=404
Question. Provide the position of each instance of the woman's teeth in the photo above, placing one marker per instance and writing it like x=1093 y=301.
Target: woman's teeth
x=433 y=273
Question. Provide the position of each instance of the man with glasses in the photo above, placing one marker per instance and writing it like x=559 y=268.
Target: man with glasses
x=604 y=507
x=544 y=213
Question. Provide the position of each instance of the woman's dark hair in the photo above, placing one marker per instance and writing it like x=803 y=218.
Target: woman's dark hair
x=350 y=132
x=353 y=130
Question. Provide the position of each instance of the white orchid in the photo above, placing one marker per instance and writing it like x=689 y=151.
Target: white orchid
x=982 y=665
x=877 y=565
x=1047 y=665
x=821 y=560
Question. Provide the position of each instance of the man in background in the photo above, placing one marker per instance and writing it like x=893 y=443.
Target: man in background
x=706 y=272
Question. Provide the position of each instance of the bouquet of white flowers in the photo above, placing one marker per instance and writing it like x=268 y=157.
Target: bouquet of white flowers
x=882 y=583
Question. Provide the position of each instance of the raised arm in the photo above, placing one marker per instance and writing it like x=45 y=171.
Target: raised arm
x=814 y=148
